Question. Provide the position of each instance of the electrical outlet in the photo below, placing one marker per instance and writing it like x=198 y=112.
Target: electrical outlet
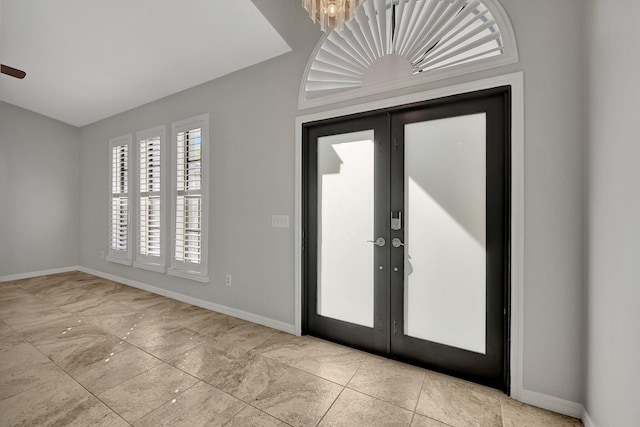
x=227 y=280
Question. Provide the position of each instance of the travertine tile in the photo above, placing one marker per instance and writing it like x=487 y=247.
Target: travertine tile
x=180 y=314
x=166 y=310
x=216 y=324
x=10 y=290
x=42 y=329
x=143 y=393
x=15 y=304
x=252 y=417
x=136 y=299
x=422 y=421
x=164 y=344
x=285 y=348
x=61 y=402
x=298 y=398
x=8 y=338
x=23 y=316
x=516 y=414
x=239 y=372
x=12 y=297
x=393 y=382
x=96 y=306
x=35 y=284
x=114 y=369
x=79 y=346
x=70 y=292
x=22 y=368
x=459 y=403
x=89 y=297
x=331 y=361
x=353 y=409
x=246 y=376
x=144 y=332
x=84 y=303
x=246 y=336
x=118 y=322
x=205 y=359
x=201 y=405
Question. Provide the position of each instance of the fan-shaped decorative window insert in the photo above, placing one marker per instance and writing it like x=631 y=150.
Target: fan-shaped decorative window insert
x=396 y=43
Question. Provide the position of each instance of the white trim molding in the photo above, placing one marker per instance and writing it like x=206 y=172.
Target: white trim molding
x=31 y=274
x=586 y=419
x=552 y=403
x=516 y=81
x=240 y=314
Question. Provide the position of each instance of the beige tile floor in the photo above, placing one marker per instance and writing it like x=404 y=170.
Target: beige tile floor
x=79 y=350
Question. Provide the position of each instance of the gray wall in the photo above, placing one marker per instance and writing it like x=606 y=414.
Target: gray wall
x=252 y=177
x=613 y=326
x=549 y=41
x=39 y=192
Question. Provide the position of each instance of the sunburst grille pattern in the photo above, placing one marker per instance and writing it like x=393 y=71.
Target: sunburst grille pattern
x=429 y=34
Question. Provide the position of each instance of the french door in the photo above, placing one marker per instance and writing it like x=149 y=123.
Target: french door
x=406 y=233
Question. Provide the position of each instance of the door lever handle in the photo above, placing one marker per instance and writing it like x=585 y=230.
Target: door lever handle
x=378 y=242
x=396 y=243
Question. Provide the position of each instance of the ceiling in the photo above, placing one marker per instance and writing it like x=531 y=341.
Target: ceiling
x=90 y=59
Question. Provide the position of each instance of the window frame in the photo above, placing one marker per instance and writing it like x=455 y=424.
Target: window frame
x=150 y=262
x=192 y=271
x=114 y=255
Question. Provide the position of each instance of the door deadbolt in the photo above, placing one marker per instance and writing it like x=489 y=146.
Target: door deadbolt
x=396 y=220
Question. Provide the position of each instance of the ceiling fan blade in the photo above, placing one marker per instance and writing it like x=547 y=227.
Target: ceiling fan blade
x=13 y=72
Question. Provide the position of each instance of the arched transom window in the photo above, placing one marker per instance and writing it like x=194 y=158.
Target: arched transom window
x=396 y=43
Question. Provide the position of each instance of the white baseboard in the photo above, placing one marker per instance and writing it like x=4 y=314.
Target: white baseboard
x=551 y=403
x=244 y=315
x=38 y=273
x=586 y=419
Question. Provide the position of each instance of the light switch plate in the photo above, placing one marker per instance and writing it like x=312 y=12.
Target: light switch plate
x=280 y=221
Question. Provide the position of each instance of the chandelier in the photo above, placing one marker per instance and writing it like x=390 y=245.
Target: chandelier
x=331 y=13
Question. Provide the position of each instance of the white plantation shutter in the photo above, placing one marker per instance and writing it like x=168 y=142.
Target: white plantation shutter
x=120 y=201
x=399 y=43
x=119 y=198
x=189 y=195
x=149 y=180
x=151 y=209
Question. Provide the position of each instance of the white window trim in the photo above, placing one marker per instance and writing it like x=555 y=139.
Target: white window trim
x=152 y=263
x=176 y=268
x=121 y=257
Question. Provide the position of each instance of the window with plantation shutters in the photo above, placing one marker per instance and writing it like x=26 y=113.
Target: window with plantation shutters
x=393 y=44
x=151 y=208
x=120 y=200
x=189 y=198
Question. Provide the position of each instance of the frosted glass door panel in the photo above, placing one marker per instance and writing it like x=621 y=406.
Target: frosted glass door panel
x=445 y=256
x=346 y=214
